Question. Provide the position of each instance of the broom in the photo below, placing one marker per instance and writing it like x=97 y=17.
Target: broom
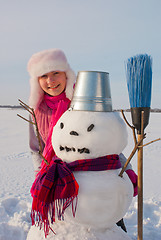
x=139 y=83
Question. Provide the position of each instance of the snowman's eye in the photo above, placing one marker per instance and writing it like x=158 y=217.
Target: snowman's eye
x=61 y=125
x=90 y=128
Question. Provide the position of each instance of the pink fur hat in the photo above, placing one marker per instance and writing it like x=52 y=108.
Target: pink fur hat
x=44 y=62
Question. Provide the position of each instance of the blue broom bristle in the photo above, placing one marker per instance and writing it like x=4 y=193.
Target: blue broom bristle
x=139 y=80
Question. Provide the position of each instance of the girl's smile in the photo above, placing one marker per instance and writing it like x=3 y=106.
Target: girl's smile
x=53 y=83
x=53 y=87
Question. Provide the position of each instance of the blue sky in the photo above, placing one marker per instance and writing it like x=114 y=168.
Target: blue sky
x=94 y=34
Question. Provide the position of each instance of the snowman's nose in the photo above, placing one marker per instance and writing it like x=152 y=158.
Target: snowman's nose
x=74 y=133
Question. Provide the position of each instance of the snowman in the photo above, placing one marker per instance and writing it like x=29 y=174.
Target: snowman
x=90 y=137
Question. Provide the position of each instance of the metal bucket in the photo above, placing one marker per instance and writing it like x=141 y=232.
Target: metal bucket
x=92 y=92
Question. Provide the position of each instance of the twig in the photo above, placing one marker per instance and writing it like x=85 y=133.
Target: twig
x=132 y=127
x=26 y=108
x=37 y=130
x=131 y=155
x=31 y=111
x=25 y=119
x=149 y=143
x=43 y=158
x=137 y=143
x=135 y=147
x=122 y=111
x=24 y=104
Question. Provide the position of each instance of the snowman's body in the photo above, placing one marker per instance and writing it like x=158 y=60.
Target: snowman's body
x=103 y=197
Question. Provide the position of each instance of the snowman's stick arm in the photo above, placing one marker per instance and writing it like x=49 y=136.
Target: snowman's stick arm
x=25 y=105
x=43 y=158
x=137 y=144
x=31 y=111
x=149 y=143
x=26 y=119
x=131 y=155
x=132 y=127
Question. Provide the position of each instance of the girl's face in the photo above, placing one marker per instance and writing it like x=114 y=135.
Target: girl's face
x=53 y=83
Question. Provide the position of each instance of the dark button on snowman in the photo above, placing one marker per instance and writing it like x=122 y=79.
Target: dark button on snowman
x=89 y=129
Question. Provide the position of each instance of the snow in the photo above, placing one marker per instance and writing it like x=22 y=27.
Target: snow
x=16 y=177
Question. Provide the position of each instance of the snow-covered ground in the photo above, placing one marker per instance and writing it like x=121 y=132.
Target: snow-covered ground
x=16 y=177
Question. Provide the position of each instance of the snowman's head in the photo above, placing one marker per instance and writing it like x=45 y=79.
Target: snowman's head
x=84 y=135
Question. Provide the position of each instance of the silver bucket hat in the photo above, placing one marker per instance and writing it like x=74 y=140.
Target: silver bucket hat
x=92 y=92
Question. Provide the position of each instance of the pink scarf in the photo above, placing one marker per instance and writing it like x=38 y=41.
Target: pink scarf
x=47 y=115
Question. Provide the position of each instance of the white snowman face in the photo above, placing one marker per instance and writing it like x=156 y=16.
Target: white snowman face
x=85 y=135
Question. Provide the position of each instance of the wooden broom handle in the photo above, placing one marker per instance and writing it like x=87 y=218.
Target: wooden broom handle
x=140 y=191
x=140 y=181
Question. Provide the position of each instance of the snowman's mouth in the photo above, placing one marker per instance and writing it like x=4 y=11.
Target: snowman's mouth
x=80 y=150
